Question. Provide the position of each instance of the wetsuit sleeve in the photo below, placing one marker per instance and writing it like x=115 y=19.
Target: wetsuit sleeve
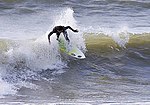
x=68 y=27
x=50 y=35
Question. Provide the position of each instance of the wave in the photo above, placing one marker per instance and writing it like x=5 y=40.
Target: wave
x=22 y=62
x=37 y=54
x=105 y=43
x=103 y=49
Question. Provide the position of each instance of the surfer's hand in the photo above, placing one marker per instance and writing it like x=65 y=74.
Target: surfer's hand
x=76 y=31
x=49 y=42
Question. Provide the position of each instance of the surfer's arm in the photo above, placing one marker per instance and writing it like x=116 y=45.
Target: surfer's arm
x=68 y=27
x=49 y=36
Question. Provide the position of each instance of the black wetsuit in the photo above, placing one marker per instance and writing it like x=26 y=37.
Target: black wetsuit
x=61 y=29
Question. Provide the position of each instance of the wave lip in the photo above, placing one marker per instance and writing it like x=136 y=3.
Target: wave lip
x=106 y=42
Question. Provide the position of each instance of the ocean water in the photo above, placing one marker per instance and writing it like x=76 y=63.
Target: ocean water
x=113 y=34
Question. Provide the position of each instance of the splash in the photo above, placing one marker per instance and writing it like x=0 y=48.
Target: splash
x=121 y=37
x=66 y=18
x=35 y=55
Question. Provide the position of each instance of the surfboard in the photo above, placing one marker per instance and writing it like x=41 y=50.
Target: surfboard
x=70 y=50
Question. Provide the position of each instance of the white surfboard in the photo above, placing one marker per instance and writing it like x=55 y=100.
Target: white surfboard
x=70 y=50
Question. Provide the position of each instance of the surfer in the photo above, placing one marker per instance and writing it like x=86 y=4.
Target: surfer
x=61 y=29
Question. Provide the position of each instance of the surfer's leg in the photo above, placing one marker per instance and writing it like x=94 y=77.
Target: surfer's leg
x=66 y=36
x=58 y=34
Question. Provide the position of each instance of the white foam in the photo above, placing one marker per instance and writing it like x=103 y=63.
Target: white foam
x=6 y=88
x=36 y=55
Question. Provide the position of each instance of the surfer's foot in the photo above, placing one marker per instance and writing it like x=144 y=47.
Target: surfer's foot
x=68 y=41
